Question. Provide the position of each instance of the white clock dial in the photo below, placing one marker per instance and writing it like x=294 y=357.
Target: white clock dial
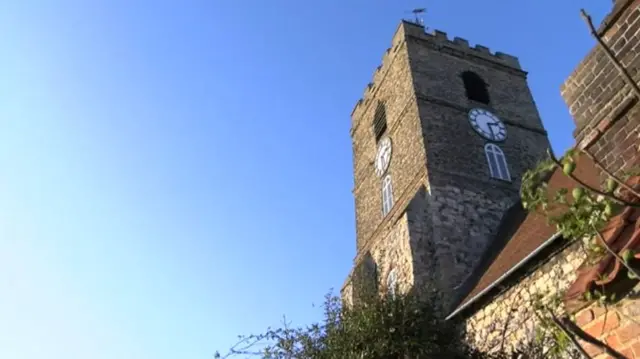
x=383 y=157
x=487 y=125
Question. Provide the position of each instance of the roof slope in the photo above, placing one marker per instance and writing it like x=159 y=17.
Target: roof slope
x=520 y=235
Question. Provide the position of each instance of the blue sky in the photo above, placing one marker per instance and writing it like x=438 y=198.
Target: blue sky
x=173 y=174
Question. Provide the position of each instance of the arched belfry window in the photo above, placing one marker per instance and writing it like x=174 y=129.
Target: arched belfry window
x=380 y=121
x=475 y=87
x=387 y=195
x=497 y=162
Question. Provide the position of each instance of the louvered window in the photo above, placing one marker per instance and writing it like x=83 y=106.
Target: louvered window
x=380 y=121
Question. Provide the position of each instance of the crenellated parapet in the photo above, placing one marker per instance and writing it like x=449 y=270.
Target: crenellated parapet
x=437 y=40
x=378 y=74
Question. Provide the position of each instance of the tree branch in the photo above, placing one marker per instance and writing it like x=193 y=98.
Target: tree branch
x=608 y=173
x=595 y=190
x=610 y=53
x=243 y=346
x=622 y=314
x=613 y=253
x=509 y=317
x=591 y=340
x=566 y=332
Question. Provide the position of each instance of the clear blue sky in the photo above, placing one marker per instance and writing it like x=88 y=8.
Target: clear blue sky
x=173 y=174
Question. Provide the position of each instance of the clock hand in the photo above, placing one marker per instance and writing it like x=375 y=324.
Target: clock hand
x=493 y=134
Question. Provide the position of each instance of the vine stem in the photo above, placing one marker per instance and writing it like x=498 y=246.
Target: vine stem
x=595 y=190
x=507 y=321
x=622 y=314
x=578 y=332
x=610 y=53
x=613 y=253
x=608 y=173
x=566 y=332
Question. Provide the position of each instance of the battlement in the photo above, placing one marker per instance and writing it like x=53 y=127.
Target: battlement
x=439 y=41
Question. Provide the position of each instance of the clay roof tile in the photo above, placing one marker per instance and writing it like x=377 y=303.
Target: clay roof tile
x=525 y=239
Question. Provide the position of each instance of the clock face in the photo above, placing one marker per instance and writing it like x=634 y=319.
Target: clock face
x=487 y=125
x=383 y=157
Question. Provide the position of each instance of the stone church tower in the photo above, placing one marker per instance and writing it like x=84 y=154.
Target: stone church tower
x=440 y=139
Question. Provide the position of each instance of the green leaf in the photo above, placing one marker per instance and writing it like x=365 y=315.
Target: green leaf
x=602 y=299
x=577 y=193
x=588 y=296
x=610 y=185
x=568 y=168
x=608 y=210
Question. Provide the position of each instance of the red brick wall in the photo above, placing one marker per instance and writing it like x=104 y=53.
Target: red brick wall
x=606 y=112
x=605 y=109
x=615 y=327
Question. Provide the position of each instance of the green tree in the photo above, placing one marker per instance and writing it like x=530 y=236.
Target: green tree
x=400 y=327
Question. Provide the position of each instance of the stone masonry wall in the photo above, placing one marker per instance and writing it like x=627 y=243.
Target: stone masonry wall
x=419 y=216
x=466 y=204
x=437 y=67
x=510 y=314
x=438 y=166
x=607 y=116
x=463 y=223
x=392 y=252
x=392 y=85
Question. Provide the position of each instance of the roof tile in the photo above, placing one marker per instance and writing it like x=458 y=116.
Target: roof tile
x=529 y=235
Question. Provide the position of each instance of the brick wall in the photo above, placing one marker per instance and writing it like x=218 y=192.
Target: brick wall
x=605 y=109
x=618 y=326
x=509 y=316
x=607 y=117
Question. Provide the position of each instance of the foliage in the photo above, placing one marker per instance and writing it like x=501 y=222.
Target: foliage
x=555 y=342
x=577 y=211
x=391 y=327
x=406 y=327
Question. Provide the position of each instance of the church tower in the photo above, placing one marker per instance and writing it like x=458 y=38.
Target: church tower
x=441 y=139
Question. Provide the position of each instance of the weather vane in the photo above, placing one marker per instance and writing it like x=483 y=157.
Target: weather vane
x=417 y=14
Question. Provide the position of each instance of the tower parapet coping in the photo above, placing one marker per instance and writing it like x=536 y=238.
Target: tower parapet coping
x=441 y=40
x=438 y=40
